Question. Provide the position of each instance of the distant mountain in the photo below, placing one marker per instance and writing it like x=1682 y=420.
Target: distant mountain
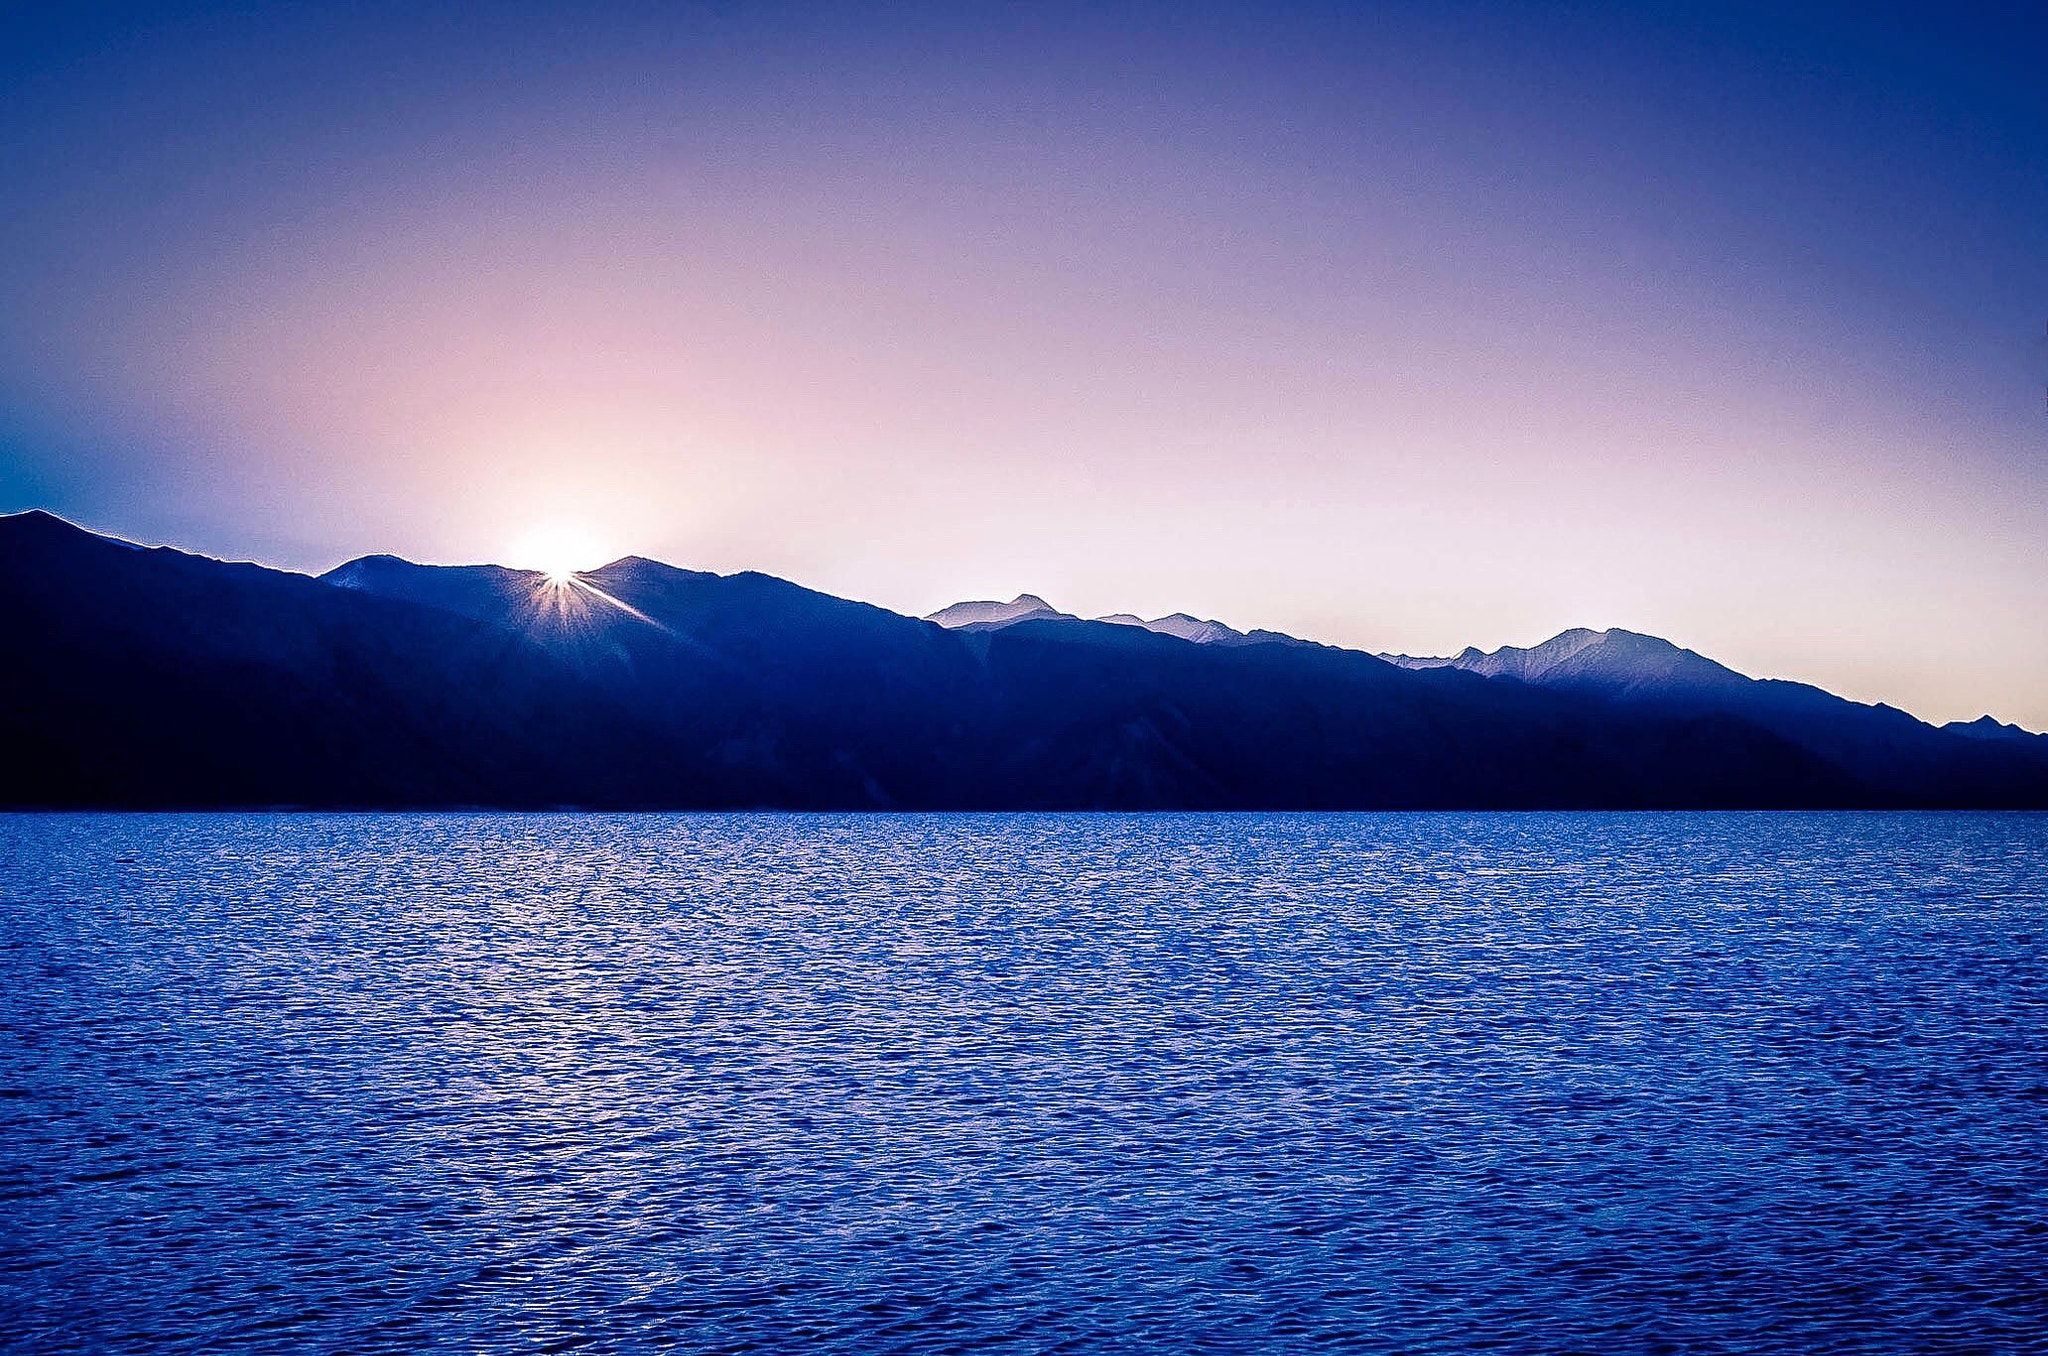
x=157 y=678
x=1030 y=607
x=1881 y=746
x=1182 y=626
x=1025 y=606
x=1614 y=663
x=1985 y=727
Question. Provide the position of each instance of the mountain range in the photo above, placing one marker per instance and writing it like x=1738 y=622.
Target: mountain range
x=150 y=677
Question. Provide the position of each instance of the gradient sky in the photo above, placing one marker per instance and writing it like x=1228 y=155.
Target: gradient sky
x=1402 y=327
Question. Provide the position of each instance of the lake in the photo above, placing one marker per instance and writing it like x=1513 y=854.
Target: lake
x=1274 y=1083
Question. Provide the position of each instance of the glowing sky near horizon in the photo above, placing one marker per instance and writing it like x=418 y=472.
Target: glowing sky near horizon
x=1402 y=327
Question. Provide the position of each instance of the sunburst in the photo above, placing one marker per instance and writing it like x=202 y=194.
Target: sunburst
x=559 y=551
x=564 y=595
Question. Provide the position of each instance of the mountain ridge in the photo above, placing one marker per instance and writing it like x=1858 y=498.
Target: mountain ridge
x=1025 y=606
x=156 y=677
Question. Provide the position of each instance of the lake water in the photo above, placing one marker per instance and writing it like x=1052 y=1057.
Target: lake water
x=1603 y=1083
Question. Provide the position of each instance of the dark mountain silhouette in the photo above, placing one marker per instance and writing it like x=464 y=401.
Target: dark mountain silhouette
x=782 y=695
x=1883 y=748
x=1985 y=727
x=153 y=677
x=1146 y=719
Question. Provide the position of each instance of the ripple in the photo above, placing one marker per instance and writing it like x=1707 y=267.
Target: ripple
x=1671 y=1083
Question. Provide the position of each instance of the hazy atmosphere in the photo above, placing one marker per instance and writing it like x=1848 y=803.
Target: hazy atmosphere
x=1403 y=328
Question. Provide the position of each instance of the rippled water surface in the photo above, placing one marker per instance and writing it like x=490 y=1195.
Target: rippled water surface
x=1026 y=1083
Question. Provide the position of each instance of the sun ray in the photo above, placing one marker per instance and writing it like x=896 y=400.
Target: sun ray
x=579 y=582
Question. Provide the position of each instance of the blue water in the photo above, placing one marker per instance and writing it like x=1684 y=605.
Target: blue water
x=1670 y=1083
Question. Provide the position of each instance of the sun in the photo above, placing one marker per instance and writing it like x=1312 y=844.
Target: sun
x=561 y=551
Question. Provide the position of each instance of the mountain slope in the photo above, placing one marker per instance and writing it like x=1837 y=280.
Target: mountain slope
x=151 y=677
x=856 y=705
x=1181 y=625
x=1883 y=748
x=963 y=616
x=1151 y=720
x=1613 y=663
x=781 y=694
x=1985 y=727
x=984 y=616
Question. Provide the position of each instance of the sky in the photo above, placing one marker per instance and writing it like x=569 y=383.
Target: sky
x=1403 y=327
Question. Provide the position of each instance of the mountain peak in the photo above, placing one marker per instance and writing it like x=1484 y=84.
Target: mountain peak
x=645 y=569
x=37 y=517
x=1990 y=727
x=1180 y=625
x=48 y=525
x=634 y=563
x=988 y=613
x=1611 y=660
